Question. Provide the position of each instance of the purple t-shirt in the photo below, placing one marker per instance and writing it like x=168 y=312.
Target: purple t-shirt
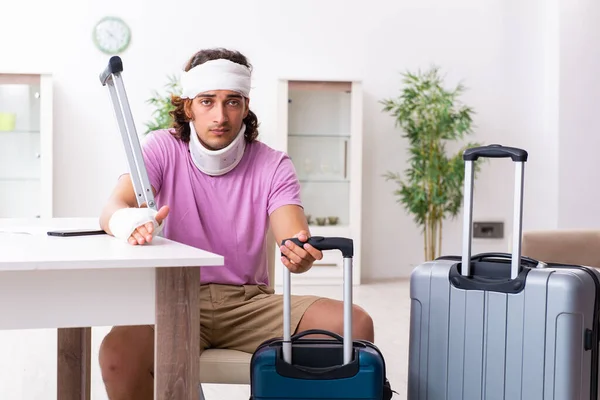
x=228 y=214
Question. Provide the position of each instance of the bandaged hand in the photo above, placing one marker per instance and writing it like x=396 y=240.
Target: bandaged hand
x=137 y=225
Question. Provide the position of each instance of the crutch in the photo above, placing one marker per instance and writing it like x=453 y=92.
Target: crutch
x=111 y=77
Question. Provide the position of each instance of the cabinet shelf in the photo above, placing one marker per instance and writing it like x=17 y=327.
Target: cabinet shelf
x=321 y=158
x=20 y=132
x=317 y=135
x=19 y=179
x=317 y=180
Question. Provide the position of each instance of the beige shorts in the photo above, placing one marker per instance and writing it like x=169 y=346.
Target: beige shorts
x=242 y=317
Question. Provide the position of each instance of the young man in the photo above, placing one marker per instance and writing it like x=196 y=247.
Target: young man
x=219 y=189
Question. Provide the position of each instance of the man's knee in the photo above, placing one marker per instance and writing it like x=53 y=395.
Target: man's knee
x=328 y=314
x=362 y=324
x=126 y=353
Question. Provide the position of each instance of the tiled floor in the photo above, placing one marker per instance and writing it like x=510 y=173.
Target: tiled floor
x=389 y=305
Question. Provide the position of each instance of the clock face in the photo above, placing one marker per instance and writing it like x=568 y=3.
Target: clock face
x=111 y=35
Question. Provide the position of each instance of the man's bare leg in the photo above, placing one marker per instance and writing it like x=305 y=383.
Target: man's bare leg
x=328 y=314
x=127 y=363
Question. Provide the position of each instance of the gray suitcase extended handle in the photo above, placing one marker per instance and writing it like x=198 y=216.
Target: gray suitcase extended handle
x=111 y=77
x=519 y=157
x=346 y=246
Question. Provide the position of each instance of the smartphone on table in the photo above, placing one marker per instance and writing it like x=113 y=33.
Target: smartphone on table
x=76 y=232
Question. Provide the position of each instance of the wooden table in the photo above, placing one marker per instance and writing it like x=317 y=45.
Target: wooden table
x=74 y=283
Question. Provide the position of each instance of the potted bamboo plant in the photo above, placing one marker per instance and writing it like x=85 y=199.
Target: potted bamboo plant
x=430 y=116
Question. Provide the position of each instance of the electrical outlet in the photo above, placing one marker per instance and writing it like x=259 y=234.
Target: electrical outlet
x=488 y=230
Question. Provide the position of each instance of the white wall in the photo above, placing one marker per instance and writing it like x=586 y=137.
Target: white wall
x=579 y=101
x=528 y=81
x=486 y=44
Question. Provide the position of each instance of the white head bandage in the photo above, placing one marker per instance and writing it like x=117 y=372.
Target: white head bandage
x=217 y=162
x=218 y=74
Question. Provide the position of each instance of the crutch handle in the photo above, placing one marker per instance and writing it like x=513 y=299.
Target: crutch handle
x=115 y=65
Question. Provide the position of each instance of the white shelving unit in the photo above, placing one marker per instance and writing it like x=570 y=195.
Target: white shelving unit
x=320 y=126
x=26 y=149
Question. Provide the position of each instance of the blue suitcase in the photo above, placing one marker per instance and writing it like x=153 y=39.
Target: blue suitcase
x=301 y=368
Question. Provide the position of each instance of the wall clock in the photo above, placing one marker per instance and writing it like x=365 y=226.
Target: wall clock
x=111 y=35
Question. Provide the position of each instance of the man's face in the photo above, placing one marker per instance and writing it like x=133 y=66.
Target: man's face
x=218 y=117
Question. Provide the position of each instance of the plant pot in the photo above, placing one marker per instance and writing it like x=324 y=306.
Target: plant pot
x=7 y=121
x=309 y=219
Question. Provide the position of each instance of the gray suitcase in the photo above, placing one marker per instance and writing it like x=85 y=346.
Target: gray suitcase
x=506 y=326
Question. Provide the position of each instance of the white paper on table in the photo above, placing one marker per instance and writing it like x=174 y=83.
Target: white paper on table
x=24 y=230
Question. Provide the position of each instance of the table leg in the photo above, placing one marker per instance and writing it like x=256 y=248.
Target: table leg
x=73 y=373
x=177 y=334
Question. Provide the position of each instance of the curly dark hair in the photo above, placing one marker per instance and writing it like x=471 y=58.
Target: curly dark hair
x=180 y=119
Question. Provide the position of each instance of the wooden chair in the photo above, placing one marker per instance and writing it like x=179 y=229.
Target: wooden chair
x=232 y=366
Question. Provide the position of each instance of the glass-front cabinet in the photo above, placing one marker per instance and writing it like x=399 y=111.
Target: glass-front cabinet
x=320 y=127
x=25 y=145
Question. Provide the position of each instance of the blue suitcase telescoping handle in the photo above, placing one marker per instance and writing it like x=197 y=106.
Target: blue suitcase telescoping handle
x=519 y=157
x=346 y=246
x=495 y=151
